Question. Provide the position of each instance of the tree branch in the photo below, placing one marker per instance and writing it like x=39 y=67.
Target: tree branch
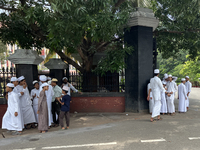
x=9 y=9
x=104 y=44
x=69 y=60
x=156 y=33
x=119 y=2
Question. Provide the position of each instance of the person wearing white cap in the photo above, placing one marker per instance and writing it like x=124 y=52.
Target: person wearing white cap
x=14 y=80
x=188 y=86
x=163 y=109
x=65 y=107
x=12 y=118
x=34 y=97
x=71 y=87
x=156 y=88
x=151 y=101
x=182 y=96
x=49 y=94
x=171 y=89
x=43 y=121
x=26 y=104
x=165 y=78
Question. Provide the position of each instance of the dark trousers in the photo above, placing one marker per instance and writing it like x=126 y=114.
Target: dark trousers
x=62 y=115
x=55 y=110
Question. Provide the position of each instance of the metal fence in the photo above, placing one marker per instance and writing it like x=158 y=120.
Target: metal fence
x=5 y=76
x=91 y=82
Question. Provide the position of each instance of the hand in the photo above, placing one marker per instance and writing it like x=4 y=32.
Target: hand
x=34 y=96
x=38 y=112
x=148 y=97
x=186 y=98
x=80 y=92
x=171 y=92
x=25 y=85
x=187 y=94
x=57 y=98
x=22 y=93
x=168 y=95
x=16 y=114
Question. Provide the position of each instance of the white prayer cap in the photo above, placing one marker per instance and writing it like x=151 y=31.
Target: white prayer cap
x=48 y=78
x=183 y=79
x=49 y=82
x=43 y=78
x=166 y=76
x=163 y=82
x=65 y=78
x=35 y=82
x=44 y=84
x=170 y=76
x=187 y=77
x=10 y=85
x=21 y=78
x=13 y=79
x=156 y=71
x=65 y=88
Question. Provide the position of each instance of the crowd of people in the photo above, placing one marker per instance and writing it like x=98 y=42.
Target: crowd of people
x=44 y=107
x=161 y=95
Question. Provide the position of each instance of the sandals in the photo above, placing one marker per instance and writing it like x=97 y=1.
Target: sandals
x=153 y=120
x=160 y=119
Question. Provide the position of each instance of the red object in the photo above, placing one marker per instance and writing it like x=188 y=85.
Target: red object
x=3 y=108
x=42 y=53
x=97 y=104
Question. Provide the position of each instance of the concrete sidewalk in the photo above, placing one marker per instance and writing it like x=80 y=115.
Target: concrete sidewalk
x=80 y=120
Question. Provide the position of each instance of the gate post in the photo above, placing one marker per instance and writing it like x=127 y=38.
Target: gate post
x=57 y=68
x=139 y=64
x=26 y=62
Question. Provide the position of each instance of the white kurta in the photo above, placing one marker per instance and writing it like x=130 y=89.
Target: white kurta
x=71 y=87
x=26 y=105
x=35 y=102
x=163 y=103
x=182 y=98
x=156 y=87
x=171 y=87
x=49 y=95
x=151 y=101
x=188 y=86
x=10 y=121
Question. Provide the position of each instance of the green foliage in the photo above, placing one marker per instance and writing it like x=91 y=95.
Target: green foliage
x=75 y=26
x=191 y=68
x=172 y=65
x=179 y=27
x=114 y=59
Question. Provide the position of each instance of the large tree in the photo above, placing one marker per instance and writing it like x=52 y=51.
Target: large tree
x=67 y=26
x=86 y=27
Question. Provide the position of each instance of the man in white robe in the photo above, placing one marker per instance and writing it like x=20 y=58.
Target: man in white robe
x=71 y=87
x=182 y=96
x=34 y=97
x=156 y=88
x=163 y=100
x=14 y=80
x=151 y=101
x=171 y=89
x=188 y=86
x=25 y=102
x=49 y=95
x=12 y=118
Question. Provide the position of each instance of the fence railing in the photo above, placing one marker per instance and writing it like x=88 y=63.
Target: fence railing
x=88 y=82
x=91 y=82
x=5 y=76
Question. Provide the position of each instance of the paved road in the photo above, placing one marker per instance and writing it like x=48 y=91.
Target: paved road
x=135 y=132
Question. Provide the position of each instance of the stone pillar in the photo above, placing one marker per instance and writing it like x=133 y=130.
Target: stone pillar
x=26 y=62
x=140 y=64
x=57 y=68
